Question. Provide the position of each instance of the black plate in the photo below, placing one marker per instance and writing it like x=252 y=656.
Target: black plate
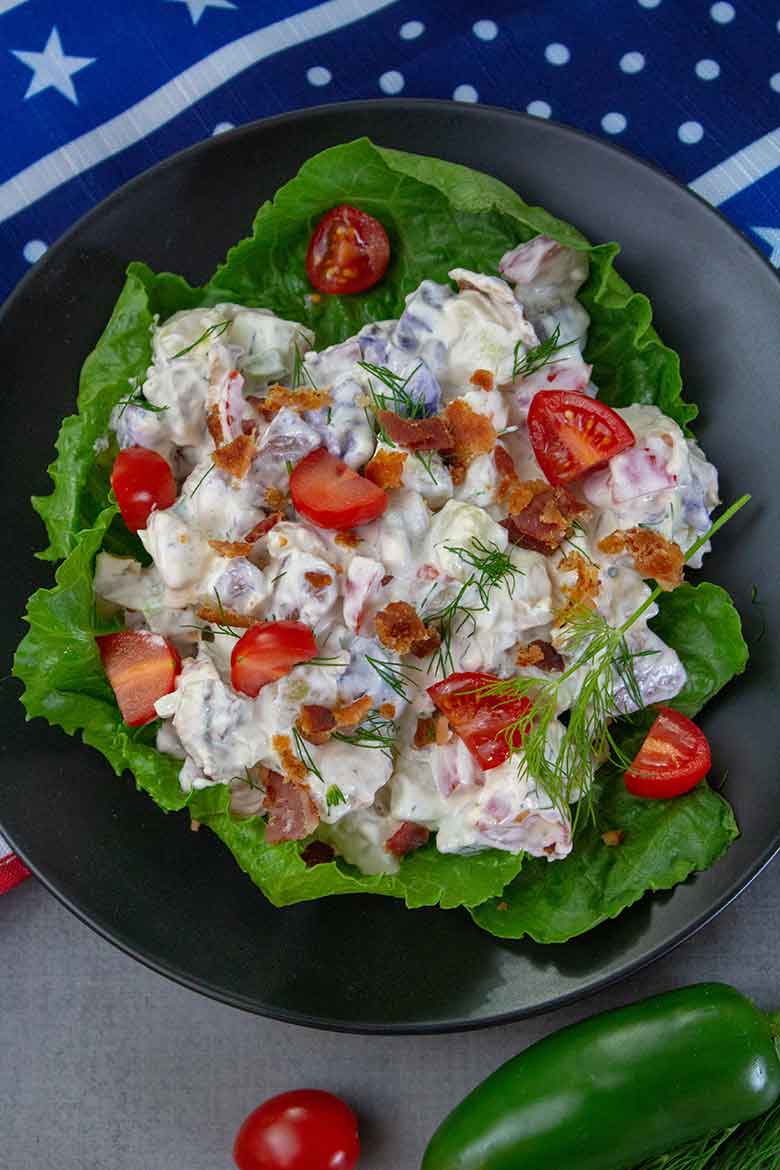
x=177 y=901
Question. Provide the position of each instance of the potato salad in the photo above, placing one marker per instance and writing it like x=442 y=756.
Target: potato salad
x=365 y=561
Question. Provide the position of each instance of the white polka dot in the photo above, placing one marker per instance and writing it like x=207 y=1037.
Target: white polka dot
x=557 y=54
x=613 y=123
x=778 y=26
x=691 y=133
x=722 y=13
x=485 y=30
x=411 y=30
x=774 y=82
x=465 y=93
x=707 y=69
x=539 y=109
x=649 y=3
x=33 y=250
x=221 y=127
x=632 y=62
x=391 y=82
x=318 y=75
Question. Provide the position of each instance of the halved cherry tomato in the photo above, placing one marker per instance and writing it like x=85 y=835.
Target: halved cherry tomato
x=673 y=759
x=142 y=481
x=307 y=1129
x=332 y=495
x=480 y=720
x=267 y=652
x=572 y=434
x=348 y=252
x=141 y=668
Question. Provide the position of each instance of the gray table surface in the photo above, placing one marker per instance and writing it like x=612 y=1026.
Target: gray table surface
x=104 y=1064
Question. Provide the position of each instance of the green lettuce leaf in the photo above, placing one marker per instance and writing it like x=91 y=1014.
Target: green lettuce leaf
x=665 y=840
x=438 y=215
x=120 y=358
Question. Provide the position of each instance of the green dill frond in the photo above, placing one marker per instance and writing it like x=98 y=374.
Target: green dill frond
x=426 y=458
x=213 y=331
x=334 y=796
x=494 y=567
x=206 y=473
x=393 y=674
x=398 y=399
x=300 y=373
x=137 y=398
x=541 y=355
x=305 y=756
x=374 y=732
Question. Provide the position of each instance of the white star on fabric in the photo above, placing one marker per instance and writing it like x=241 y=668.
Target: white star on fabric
x=52 y=69
x=198 y=7
x=770 y=236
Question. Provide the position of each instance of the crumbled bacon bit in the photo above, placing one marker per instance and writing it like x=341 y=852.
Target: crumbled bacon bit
x=263 y=527
x=417 y=434
x=541 y=517
x=218 y=615
x=504 y=464
x=406 y=839
x=292 y=814
x=318 y=580
x=315 y=723
x=424 y=732
x=386 y=469
x=482 y=378
x=236 y=457
x=214 y=425
x=387 y=711
x=399 y=627
x=442 y=730
x=654 y=556
x=348 y=539
x=294 y=769
x=275 y=499
x=473 y=433
x=540 y=654
x=613 y=836
x=231 y=548
x=301 y=399
x=457 y=474
x=584 y=589
x=317 y=853
x=388 y=577
x=354 y=713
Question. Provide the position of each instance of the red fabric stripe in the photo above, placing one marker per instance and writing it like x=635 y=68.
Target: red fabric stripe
x=12 y=871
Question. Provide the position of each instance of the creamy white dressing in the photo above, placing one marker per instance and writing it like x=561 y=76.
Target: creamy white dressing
x=214 y=360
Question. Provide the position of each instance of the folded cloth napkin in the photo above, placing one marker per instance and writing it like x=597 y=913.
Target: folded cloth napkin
x=693 y=87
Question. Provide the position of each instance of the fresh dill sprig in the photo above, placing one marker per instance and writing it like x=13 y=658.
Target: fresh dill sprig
x=393 y=674
x=305 y=756
x=601 y=655
x=374 y=732
x=325 y=662
x=494 y=566
x=215 y=330
x=138 y=398
x=541 y=354
x=206 y=473
x=450 y=620
x=334 y=796
x=288 y=463
x=398 y=399
x=222 y=625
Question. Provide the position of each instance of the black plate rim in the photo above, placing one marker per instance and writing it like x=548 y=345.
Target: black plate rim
x=322 y=1022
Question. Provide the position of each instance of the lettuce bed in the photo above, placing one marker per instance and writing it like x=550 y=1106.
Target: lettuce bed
x=437 y=216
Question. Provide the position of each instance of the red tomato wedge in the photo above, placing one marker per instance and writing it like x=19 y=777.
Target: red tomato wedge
x=332 y=495
x=141 y=668
x=142 y=481
x=572 y=434
x=480 y=720
x=348 y=252
x=267 y=652
x=306 y=1129
x=673 y=759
